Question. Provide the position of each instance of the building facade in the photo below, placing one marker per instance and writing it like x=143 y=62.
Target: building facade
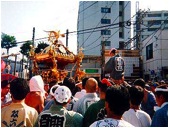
x=102 y=22
x=155 y=56
x=153 y=21
x=153 y=43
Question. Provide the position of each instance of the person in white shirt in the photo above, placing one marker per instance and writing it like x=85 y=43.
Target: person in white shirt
x=83 y=91
x=25 y=72
x=91 y=96
x=135 y=115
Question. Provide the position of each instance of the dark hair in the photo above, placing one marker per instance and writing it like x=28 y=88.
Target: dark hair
x=118 y=99
x=164 y=94
x=84 y=82
x=52 y=83
x=136 y=95
x=19 y=88
x=70 y=83
x=113 y=50
x=103 y=87
x=140 y=82
x=104 y=84
x=4 y=83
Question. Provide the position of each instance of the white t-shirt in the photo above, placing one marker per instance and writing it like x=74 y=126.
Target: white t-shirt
x=137 y=118
x=80 y=94
x=109 y=122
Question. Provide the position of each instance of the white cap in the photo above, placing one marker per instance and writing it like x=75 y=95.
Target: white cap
x=161 y=89
x=162 y=81
x=62 y=94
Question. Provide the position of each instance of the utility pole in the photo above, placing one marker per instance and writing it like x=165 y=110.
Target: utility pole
x=137 y=25
x=33 y=36
x=102 y=58
x=67 y=34
x=30 y=62
x=15 y=64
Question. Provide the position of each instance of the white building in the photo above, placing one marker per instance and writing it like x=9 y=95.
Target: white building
x=155 y=55
x=154 y=44
x=152 y=21
x=100 y=21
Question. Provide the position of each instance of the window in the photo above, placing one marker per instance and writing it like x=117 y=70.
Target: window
x=165 y=14
x=107 y=43
x=105 y=10
x=121 y=2
x=154 y=15
x=120 y=13
x=149 y=51
x=121 y=34
x=84 y=61
x=165 y=21
x=154 y=22
x=121 y=24
x=152 y=29
x=105 y=32
x=121 y=45
x=105 y=21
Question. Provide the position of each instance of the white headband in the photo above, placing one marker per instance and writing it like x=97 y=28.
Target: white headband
x=51 y=90
x=161 y=89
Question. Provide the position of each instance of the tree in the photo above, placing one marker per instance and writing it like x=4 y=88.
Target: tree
x=8 y=42
x=25 y=49
x=40 y=47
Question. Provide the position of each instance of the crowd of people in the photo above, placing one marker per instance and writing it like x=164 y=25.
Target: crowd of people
x=93 y=102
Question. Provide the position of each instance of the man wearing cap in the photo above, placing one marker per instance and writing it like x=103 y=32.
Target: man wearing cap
x=162 y=82
x=115 y=66
x=160 y=118
x=58 y=115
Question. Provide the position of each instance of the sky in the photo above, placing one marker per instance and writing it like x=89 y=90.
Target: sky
x=19 y=17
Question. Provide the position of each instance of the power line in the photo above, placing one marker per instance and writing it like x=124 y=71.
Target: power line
x=98 y=39
x=94 y=13
x=108 y=28
x=96 y=26
x=142 y=15
x=155 y=33
x=88 y=7
x=105 y=40
x=152 y=34
x=72 y=32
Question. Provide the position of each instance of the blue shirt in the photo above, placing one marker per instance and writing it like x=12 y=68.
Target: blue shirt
x=160 y=118
x=148 y=106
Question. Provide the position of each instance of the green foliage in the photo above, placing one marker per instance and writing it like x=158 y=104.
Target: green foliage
x=40 y=47
x=8 y=42
x=25 y=48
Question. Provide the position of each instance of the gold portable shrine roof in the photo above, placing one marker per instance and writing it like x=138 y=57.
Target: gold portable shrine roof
x=50 y=63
